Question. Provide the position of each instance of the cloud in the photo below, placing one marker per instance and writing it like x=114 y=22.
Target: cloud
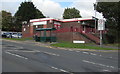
x=49 y=8
x=10 y=7
x=53 y=8
x=86 y=9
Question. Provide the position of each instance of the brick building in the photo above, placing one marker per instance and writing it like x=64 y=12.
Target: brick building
x=29 y=30
x=80 y=29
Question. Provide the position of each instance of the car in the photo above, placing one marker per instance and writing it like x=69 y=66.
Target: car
x=16 y=35
x=6 y=35
x=11 y=35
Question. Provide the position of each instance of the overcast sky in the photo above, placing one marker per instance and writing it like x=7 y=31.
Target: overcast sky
x=54 y=8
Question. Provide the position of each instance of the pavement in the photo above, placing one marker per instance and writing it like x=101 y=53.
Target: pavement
x=30 y=56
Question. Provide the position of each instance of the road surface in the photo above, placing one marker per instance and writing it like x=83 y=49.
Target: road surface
x=29 y=57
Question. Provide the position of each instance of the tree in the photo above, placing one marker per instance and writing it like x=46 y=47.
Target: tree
x=110 y=12
x=39 y=14
x=25 y=12
x=6 y=20
x=28 y=11
x=71 y=13
x=0 y=20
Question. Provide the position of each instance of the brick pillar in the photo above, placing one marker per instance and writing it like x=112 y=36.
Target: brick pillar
x=31 y=30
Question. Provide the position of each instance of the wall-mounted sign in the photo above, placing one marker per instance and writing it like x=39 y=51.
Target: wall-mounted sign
x=101 y=24
x=40 y=23
x=75 y=41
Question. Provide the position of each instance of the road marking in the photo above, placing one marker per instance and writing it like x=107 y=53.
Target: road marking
x=98 y=64
x=77 y=51
x=54 y=67
x=86 y=52
x=16 y=55
x=62 y=70
x=35 y=51
x=106 y=70
x=70 y=49
x=18 y=47
x=110 y=57
x=93 y=54
x=23 y=50
x=51 y=53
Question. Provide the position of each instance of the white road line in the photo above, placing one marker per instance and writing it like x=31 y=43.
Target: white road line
x=16 y=55
x=86 y=52
x=62 y=70
x=106 y=70
x=51 y=53
x=70 y=49
x=93 y=54
x=54 y=67
x=35 y=51
x=112 y=67
x=98 y=64
x=22 y=51
x=110 y=57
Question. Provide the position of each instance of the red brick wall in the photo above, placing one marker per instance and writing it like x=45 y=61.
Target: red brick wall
x=26 y=30
x=68 y=35
x=64 y=36
x=71 y=33
x=78 y=36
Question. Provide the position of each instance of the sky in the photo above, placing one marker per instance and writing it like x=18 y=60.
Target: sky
x=54 y=8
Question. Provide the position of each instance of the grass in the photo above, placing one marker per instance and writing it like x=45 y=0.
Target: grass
x=115 y=44
x=19 y=39
x=82 y=46
x=68 y=45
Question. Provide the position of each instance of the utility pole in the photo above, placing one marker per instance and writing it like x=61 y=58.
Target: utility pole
x=95 y=16
x=100 y=37
x=101 y=27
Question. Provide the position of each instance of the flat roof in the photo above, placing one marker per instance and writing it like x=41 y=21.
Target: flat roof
x=61 y=20
x=43 y=19
x=76 y=19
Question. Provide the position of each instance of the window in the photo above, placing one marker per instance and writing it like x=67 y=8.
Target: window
x=36 y=26
x=24 y=29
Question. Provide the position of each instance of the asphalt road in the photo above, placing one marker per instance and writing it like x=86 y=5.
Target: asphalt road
x=29 y=57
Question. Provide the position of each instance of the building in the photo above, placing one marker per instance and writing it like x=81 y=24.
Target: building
x=29 y=30
x=76 y=29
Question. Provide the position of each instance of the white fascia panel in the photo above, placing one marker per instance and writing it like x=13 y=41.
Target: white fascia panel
x=40 y=23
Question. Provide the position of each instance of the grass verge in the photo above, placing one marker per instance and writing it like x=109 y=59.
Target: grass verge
x=18 y=39
x=82 y=46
